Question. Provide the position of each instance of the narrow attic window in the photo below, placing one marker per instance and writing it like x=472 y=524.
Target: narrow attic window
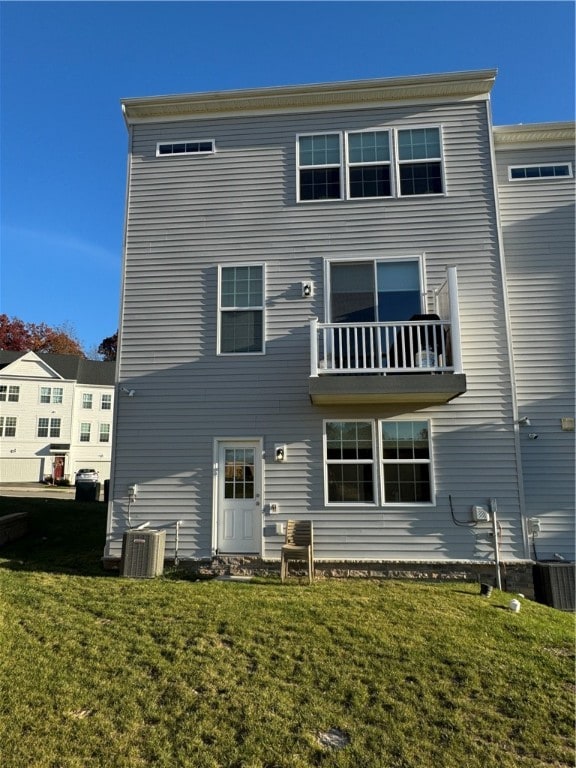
x=523 y=172
x=185 y=148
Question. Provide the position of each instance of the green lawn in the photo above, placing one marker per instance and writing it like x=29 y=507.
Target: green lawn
x=96 y=670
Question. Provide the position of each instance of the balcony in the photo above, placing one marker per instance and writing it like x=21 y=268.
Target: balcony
x=416 y=363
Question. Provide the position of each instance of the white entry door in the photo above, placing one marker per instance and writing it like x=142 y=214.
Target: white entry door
x=239 y=516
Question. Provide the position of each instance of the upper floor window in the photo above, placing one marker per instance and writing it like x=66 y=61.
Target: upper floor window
x=369 y=164
x=84 y=432
x=558 y=170
x=53 y=395
x=86 y=400
x=319 y=167
x=203 y=147
x=372 y=164
x=104 y=433
x=7 y=426
x=420 y=161
x=9 y=393
x=106 y=402
x=241 y=309
x=49 y=427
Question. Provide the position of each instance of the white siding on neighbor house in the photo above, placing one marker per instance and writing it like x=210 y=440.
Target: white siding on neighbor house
x=26 y=457
x=188 y=214
x=538 y=229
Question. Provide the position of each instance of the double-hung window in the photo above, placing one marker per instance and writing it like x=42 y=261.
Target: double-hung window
x=9 y=393
x=369 y=164
x=405 y=451
x=87 y=400
x=241 y=310
x=398 y=469
x=350 y=462
x=106 y=402
x=7 y=426
x=104 y=433
x=85 y=432
x=53 y=395
x=320 y=167
x=420 y=162
x=49 y=427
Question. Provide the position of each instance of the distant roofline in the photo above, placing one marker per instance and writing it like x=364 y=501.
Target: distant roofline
x=534 y=133
x=451 y=85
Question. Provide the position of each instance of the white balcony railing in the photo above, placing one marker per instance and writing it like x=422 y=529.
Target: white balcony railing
x=426 y=344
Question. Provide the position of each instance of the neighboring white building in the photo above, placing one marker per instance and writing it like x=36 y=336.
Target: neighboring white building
x=55 y=416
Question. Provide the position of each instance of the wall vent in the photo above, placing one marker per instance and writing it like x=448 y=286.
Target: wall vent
x=143 y=554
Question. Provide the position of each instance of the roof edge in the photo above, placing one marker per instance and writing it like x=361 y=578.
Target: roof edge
x=535 y=133
x=475 y=83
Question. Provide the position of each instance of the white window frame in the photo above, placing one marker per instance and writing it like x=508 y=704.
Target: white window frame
x=104 y=429
x=108 y=401
x=53 y=427
x=54 y=395
x=9 y=393
x=429 y=462
x=87 y=398
x=192 y=152
x=398 y=163
x=350 y=462
x=8 y=426
x=389 y=163
x=85 y=430
x=221 y=309
x=511 y=168
x=340 y=166
x=378 y=462
x=375 y=260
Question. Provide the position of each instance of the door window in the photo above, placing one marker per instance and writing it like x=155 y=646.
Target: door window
x=239 y=473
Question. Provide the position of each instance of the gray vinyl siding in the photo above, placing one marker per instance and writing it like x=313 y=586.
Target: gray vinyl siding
x=538 y=230
x=188 y=214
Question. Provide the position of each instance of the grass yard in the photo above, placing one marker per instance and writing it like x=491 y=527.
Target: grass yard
x=96 y=670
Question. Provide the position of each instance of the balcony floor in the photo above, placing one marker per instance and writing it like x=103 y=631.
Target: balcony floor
x=419 y=389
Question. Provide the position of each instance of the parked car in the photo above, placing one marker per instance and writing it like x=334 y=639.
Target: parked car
x=86 y=476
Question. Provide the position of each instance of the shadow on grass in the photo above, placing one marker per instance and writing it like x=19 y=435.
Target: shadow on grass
x=64 y=536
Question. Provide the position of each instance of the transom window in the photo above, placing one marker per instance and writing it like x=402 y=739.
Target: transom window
x=106 y=402
x=203 y=147
x=9 y=393
x=87 y=400
x=53 y=395
x=420 y=161
x=84 y=432
x=557 y=170
x=241 y=310
x=397 y=469
x=7 y=426
x=104 y=433
x=49 y=427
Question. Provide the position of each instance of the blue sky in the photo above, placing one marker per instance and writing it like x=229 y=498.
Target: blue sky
x=65 y=66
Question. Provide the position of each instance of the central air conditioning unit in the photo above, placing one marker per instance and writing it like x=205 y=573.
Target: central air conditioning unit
x=143 y=554
x=554 y=584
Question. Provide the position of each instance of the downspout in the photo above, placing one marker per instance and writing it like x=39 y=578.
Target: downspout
x=508 y=326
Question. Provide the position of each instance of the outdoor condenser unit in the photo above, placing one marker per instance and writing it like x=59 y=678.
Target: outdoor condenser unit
x=554 y=585
x=143 y=554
